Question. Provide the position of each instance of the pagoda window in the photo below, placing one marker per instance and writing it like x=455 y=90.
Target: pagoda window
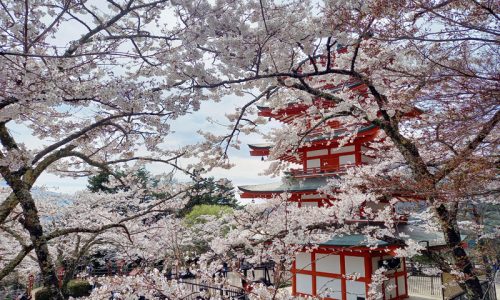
x=313 y=163
x=317 y=152
x=342 y=149
x=347 y=159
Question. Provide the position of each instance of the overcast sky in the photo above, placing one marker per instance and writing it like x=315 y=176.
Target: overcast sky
x=246 y=170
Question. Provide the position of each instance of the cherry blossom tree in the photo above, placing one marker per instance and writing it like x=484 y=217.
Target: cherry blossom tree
x=104 y=98
x=430 y=75
x=91 y=84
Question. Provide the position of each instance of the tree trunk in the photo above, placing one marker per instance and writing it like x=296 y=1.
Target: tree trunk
x=32 y=224
x=461 y=259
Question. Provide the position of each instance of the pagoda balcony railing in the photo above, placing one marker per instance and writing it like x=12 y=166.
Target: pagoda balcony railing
x=320 y=171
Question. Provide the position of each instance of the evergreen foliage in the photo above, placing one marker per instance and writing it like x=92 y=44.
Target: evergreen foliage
x=196 y=213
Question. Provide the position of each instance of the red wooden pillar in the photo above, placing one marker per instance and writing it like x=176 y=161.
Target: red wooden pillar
x=357 y=154
x=60 y=274
x=405 y=276
x=313 y=273
x=342 y=272
x=368 y=271
x=31 y=281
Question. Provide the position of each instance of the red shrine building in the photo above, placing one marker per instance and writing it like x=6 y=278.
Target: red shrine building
x=328 y=271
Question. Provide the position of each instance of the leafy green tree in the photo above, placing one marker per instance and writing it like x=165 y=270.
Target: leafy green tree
x=196 y=219
x=98 y=183
x=211 y=192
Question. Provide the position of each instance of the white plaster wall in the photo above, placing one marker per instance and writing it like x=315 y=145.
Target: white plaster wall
x=390 y=289
x=355 y=264
x=342 y=149
x=375 y=207
x=317 y=152
x=401 y=285
x=304 y=284
x=347 y=159
x=313 y=163
x=328 y=263
x=375 y=264
x=303 y=261
x=355 y=289
x=309 y=204
x=314 y=196
x=366 y=159
x=329 y=287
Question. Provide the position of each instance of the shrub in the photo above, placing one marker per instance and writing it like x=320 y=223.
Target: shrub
x=78 y=288
x=198 y=211
x=42 y=294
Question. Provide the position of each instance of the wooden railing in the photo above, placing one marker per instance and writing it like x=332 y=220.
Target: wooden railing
x=327 y=170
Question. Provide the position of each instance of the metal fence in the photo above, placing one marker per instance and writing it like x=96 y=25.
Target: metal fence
x=199 y=290
x=11 y=294
x=429 y=286
x=204 y=291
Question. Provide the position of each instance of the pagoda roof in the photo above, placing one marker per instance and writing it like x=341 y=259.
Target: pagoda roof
x=295 y=109
x=287 y=185
x=409 y=231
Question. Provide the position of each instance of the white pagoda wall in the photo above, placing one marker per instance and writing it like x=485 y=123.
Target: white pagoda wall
x=329 y=287
x=321 y=273
x=355 y=289
x=304 y=284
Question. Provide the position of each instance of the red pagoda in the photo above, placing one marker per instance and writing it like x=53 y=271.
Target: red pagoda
x=327 y=271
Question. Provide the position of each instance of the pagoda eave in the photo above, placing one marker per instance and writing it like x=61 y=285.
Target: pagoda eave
x=293 y=195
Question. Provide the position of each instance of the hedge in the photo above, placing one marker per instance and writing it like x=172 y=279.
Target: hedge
x=42 y=294
x=78 y=288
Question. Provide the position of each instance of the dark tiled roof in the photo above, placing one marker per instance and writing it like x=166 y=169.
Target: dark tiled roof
x=287 y=185
x=410 y=231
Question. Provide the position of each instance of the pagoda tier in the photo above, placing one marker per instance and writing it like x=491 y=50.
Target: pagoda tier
x=295 y=110
x=304 y=192
x=298 y=189
x=326 y=148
